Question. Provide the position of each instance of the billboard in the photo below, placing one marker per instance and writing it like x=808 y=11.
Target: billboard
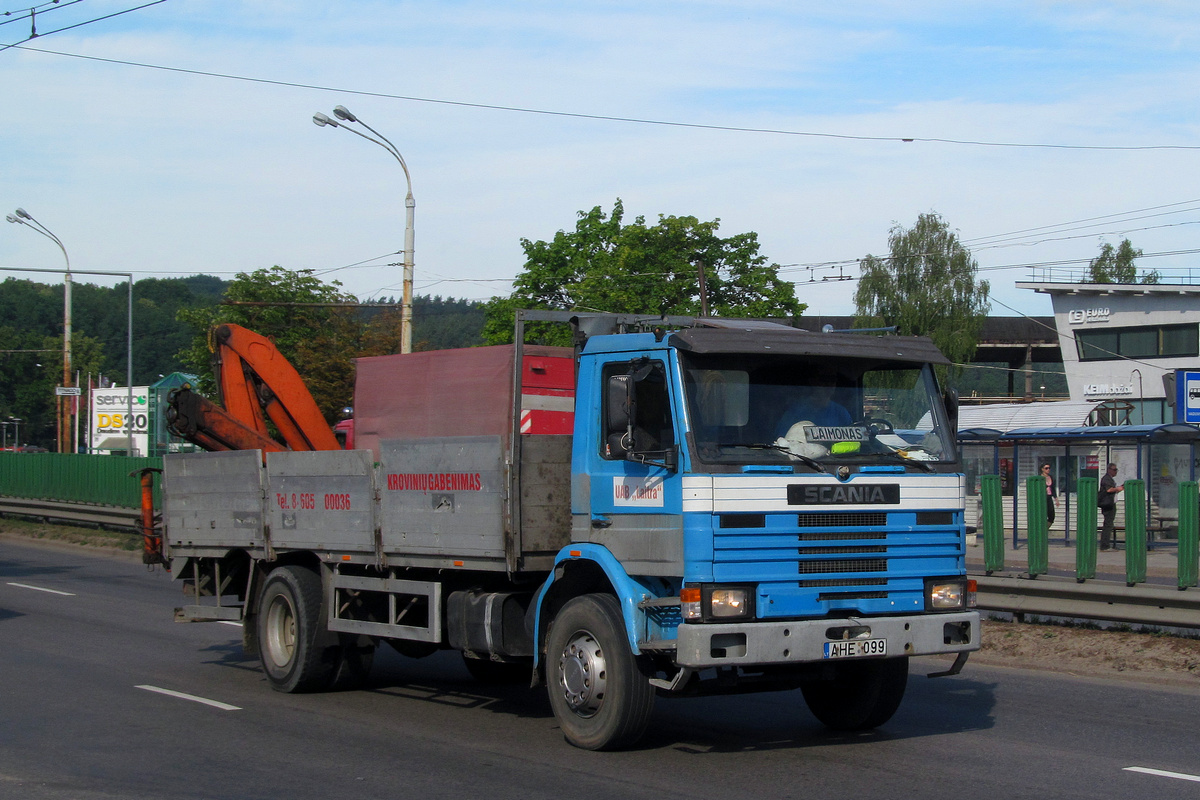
x=111 y=417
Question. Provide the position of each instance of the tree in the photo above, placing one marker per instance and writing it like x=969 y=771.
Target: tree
x=926 y=287
x=320 y=340
x=605 y=265
x=1115 y=265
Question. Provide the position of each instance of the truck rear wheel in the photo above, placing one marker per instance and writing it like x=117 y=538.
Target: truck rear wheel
x=861 y=696
x=291 y=632
x=600 y=691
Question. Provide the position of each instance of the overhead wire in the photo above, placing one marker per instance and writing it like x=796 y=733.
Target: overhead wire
x=1080 y=221
x=36 y=35
x=602 y=117
x=31 y=12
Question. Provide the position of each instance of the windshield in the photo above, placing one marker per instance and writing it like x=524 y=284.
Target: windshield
x=800 y=410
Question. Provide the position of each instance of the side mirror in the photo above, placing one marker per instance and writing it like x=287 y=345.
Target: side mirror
x=618 y=403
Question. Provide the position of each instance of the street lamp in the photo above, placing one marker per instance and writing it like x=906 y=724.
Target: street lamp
x=16 y=421
x=342 y=113
x=1141 y=399
x=4 y=427
x=23 y=217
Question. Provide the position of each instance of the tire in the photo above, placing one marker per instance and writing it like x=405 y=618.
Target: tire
x=861 y=696
x=296 y=652
x=498 y=673
x=600 y=692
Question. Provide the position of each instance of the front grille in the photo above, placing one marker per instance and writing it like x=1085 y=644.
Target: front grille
x=844 y=565
x=823 y=596
x=871 y=519
x=824 y=582
x=816 y=551
x=743 y=520
x=841 y=537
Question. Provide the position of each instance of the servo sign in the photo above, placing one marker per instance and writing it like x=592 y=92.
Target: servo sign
x=825 y=494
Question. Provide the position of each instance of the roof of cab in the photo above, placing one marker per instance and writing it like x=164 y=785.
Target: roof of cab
x=766 y=338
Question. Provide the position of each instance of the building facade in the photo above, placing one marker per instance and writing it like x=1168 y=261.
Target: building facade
x=1118 y=341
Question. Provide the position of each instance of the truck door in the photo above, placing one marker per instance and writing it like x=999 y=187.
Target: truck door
x=635 y=505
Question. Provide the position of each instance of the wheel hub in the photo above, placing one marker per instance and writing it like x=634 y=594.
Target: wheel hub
x=583 y=674
x=281 y=632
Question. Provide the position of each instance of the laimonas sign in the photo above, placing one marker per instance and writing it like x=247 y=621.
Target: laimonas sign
x=112 y=416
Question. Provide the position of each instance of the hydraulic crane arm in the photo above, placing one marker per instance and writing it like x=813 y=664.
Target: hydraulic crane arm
x=256 y=383
x=205 y=423
x=255 y=377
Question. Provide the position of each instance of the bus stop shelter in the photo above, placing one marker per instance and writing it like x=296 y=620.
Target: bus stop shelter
x=1160 y=455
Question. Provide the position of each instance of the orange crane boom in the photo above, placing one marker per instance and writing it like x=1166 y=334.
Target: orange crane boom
x=256 y=383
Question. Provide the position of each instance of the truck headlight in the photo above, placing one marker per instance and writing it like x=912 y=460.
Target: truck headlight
x=942 y=594
x=728 y=602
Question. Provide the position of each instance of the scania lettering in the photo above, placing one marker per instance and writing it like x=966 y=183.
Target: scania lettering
x=658 y=512
x=865 y=494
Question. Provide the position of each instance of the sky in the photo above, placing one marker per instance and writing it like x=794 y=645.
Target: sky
x=177 y=138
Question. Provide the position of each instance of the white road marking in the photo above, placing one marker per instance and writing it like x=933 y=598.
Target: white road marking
x=229 y=622
x=41 y=589
x=192 y=697
x=1183 y=776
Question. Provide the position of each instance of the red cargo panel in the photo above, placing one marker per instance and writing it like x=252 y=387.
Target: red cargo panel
x=465 y=392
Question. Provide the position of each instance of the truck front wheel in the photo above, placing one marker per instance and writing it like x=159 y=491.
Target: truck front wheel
x=291 y=632
x=861 y=695
x=600 y=691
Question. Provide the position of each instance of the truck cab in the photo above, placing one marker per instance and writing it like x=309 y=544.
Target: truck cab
x=774 y=508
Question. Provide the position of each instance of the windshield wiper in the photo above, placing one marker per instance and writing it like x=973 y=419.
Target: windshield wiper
x=807 y=461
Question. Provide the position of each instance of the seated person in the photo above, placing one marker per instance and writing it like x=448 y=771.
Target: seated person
x=817 y=406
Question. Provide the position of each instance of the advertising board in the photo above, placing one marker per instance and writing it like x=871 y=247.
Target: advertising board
x=111 y=418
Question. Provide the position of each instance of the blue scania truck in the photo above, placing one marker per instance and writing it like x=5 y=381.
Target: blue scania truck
x=673 y=507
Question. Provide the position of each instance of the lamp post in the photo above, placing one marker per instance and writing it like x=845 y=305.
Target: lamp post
x=1141 y=399
x=23 y=217
x=16 y=421
x=4 y=426
x=343 y=114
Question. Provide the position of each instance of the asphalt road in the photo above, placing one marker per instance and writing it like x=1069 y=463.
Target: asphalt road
x=87 y=648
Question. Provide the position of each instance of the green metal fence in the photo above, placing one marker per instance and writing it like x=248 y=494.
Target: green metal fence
x=1189 y=534
x=993 y=523
x=1135 y=531
x=1036 y=524
x=77 y=478
x=1086 y=493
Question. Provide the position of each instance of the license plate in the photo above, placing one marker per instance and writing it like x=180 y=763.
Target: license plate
x=856 y=648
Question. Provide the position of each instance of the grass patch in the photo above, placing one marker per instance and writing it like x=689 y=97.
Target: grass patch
x=70 y=534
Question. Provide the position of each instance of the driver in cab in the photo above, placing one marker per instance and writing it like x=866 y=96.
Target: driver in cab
x=817 y=405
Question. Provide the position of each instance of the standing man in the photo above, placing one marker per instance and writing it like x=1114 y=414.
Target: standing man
x=1051 y=495
x=1107 y=500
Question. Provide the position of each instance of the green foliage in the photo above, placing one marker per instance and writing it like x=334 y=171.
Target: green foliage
x=32 y=314
x=98 y=339
x=440 y=324
x=926 y=287
x=319 y=340
x=1116 y=265
x=605 y=265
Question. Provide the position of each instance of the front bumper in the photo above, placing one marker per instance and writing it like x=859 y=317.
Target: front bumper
x=802 y=641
